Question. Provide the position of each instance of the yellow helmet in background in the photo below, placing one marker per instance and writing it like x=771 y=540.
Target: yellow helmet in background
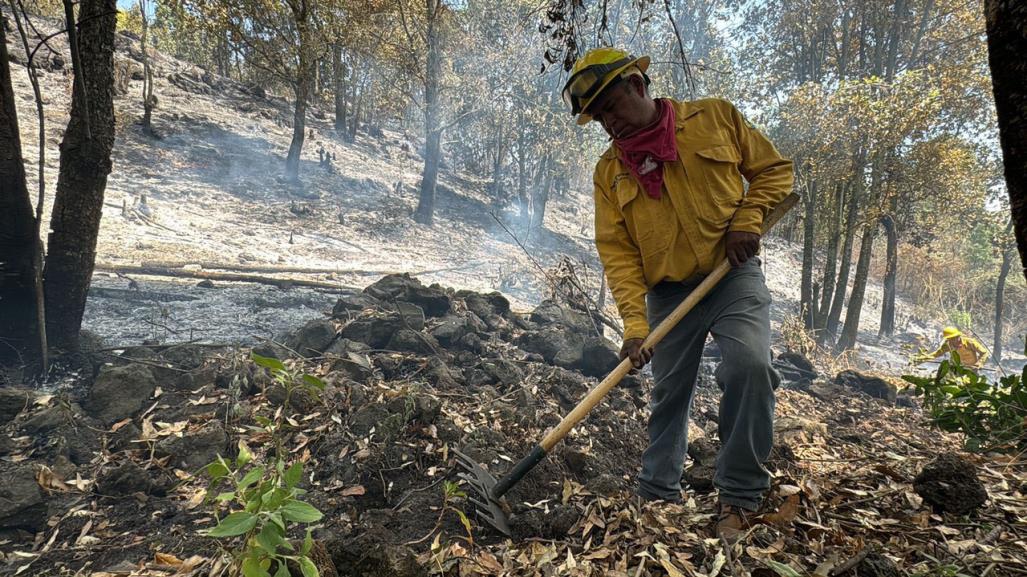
x=593 y=72
x=950 y=333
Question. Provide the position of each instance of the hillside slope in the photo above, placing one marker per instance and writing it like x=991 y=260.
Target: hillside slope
x=214 y=196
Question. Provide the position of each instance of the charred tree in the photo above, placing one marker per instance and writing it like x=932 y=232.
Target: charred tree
x=847 y=340
x=1007 y=43
x=827 y=286
x=838 y=301
x=84 y=165
x=432 y=116
x=339 y=78
x=1000 y=292
x=301 y=87
x=149 y=100
x=19 y=329
x=887 y=328
x=807 y=306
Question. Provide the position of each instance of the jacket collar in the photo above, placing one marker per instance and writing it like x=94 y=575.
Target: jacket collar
x=683 y=110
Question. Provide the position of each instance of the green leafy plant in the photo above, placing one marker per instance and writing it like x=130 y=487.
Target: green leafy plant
x=264 y=498
x=993 y=415
x=451 y=492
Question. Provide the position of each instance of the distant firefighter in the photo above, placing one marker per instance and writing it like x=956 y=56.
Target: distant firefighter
x=971 y=352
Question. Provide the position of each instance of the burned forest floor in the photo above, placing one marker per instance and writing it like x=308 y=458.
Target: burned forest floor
x=106 y=475
x=207 y=256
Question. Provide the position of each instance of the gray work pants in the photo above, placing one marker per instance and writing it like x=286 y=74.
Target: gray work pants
x=737 y=313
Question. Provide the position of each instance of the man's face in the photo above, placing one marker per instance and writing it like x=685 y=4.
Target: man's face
x=622 y=109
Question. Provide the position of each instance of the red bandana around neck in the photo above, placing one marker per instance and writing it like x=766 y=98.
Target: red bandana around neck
x=645 y=151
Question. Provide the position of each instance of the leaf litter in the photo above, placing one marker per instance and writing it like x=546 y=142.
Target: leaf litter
x=377 y=451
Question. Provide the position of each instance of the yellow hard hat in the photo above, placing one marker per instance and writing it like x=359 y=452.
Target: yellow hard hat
x=593 y=72
x=950 y=333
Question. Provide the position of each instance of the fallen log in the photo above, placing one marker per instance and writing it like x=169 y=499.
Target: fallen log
x=137 y=295
x=211 y=266
x=221 y=276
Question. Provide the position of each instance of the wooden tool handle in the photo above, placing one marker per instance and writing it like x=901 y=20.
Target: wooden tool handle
x=599 y=391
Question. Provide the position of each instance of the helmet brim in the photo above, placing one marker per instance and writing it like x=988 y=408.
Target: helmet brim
x=642 y=62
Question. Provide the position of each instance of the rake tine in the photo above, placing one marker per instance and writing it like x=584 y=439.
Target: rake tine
x=481 y=504
x=471 y=479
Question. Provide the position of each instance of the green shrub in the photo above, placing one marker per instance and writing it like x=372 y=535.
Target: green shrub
x=992 y=415
x=264 y=498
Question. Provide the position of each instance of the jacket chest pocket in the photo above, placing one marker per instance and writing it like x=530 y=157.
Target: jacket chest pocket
x=718 y=167
x=640 y=215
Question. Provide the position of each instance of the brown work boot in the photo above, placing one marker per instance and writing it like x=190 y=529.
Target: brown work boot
x=732 y=522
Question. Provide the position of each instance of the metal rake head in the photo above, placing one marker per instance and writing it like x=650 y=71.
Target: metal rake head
x=481 y=483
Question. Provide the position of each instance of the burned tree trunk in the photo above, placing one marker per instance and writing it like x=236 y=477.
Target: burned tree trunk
x=339 y=73
x=838 y=302
x=522 y=174
x=84 y=166
x=149 y=101
x=847 y=340
x=807 y=305
x=828 y=288
x=432 y=117
x=891 y=270
x=301 y=88
x=19 y=330
x=1007 y=43
x=1000 y=293
x=299 y=128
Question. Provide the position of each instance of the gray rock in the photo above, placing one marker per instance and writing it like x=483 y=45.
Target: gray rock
x=187 y=357
x=126 y=479
x=373 y=331
x=485 y=305
x=556 y=344
x=950 y=483
x=366 y=418
x=699 y=478
x=22 y=505
x=441 y=375
x=121 y=440
x=354 y=367
x=46 y=420
x=703 y=450
x=453 y=327
x=12 y=402
x=402 y=287
x=272 y=350
x=120 y=392
x=604 y=484
x=503 y=372
x=599 y=356
x=196 y=449
x=354 y=304
x=341 y=347
x=408 y=340
x=413 y=315
x=550 y=313
x=313 y=338
x=874 y=386
x=471 y=342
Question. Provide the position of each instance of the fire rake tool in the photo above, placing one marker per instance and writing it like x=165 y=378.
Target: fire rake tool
x=487 y=491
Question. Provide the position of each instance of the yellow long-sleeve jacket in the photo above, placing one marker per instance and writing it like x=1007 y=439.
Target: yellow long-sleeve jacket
x=643 y=241
x=971 y=352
